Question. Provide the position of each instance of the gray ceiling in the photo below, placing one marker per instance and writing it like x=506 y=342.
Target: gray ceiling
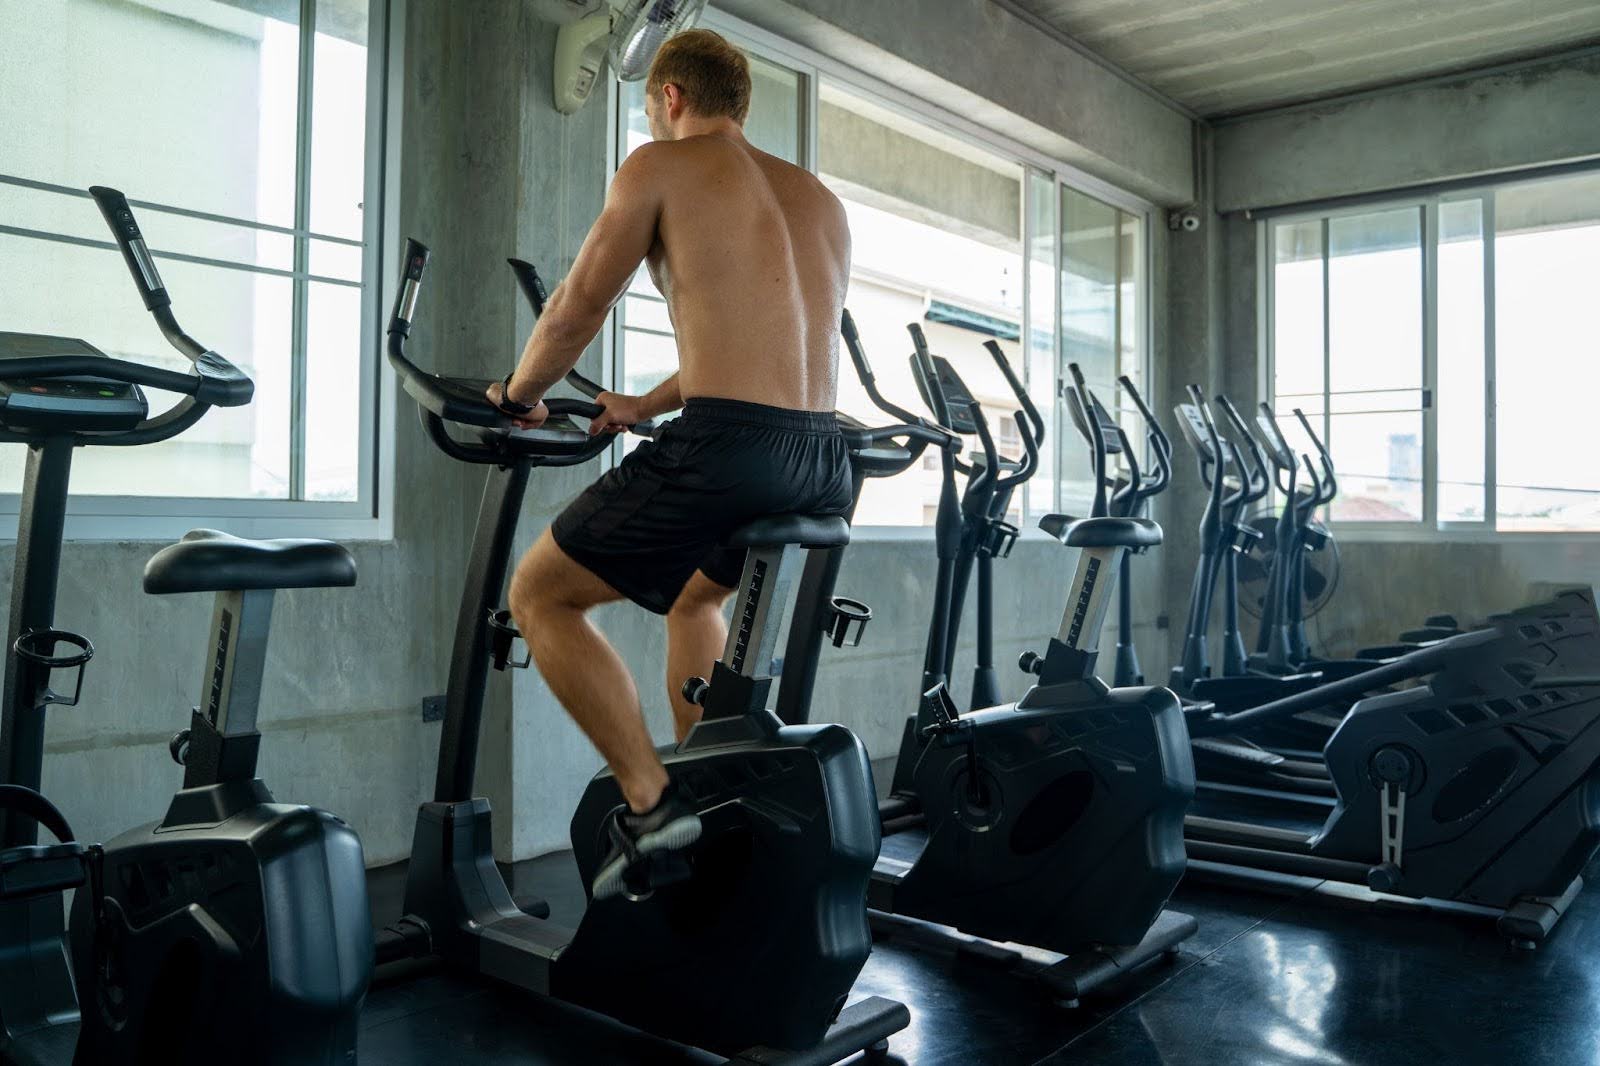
x=1221 y=57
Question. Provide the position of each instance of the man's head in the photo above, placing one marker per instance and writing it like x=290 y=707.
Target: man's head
x=696 y=75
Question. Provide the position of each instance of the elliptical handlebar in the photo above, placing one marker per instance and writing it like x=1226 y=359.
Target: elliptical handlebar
x=929 y=375
x=1327 y=484
x=1255 y=477
x=1034 y=418
x=858 y=356
x=1083 y=414
x=1214 y=470
x=1030 y=452
x=1156 y=437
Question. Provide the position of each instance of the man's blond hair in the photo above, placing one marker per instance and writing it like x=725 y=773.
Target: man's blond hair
x=712 y=74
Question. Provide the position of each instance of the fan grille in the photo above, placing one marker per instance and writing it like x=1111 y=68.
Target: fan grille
x=642 y=27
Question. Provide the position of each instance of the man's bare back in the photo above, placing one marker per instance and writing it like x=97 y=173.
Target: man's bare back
x=753 y=256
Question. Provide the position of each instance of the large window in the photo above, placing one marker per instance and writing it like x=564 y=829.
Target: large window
x=1102 y=323
x=238 y=130
x=954 y=232
x=936 y=232
x=1444 y=349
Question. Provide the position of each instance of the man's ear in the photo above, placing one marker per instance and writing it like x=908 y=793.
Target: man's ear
x=674 y=100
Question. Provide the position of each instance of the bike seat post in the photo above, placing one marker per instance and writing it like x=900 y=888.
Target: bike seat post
x=223 y=742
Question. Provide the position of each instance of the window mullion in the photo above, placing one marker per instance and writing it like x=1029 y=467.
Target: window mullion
x=1491 y=477
x=1327 y=343
x=1430 y=363
x=1026 y=348
x=1058 y=298
x=302 y=254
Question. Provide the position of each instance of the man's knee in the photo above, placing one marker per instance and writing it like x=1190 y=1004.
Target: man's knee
x=547 y=579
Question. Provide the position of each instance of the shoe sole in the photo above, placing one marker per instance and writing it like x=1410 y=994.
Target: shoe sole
x=674 y=836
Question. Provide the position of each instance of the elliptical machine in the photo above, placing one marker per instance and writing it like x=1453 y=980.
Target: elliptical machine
x=753 y=953
x=1052 y=822
x=236 y=922
x=991 y=480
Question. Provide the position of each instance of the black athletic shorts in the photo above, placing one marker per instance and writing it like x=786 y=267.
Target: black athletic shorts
x=664 y=511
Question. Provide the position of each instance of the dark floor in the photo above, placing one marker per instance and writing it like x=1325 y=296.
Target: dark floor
x=1291 y=978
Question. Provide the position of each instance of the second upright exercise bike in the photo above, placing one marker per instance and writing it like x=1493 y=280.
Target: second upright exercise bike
x=1053 y=822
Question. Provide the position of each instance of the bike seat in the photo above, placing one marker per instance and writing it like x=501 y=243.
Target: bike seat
x=775 y=531
x=207 y=560
x=1102 y=532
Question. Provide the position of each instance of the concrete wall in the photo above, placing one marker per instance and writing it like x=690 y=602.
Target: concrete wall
x=1452 y=128
x=1534 y=115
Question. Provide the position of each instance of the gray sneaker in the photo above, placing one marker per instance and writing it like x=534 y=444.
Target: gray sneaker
x=639 y=839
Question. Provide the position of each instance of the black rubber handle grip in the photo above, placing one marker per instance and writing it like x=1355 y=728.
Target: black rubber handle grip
x=125 y=228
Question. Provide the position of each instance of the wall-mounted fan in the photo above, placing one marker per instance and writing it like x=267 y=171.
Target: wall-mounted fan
x=1322 y=568
x=625 y=33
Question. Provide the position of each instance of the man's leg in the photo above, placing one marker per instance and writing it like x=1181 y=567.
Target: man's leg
x=550 y=597
x=696 y=634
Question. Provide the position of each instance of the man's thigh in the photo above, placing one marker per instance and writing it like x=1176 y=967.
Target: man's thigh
x=548 y=573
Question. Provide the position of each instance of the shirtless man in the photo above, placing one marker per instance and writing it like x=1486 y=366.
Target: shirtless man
x=753 y=255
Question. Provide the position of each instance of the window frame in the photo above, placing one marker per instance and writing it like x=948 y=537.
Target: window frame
x=812 y=67
x=370 y=515
x=1428 y=527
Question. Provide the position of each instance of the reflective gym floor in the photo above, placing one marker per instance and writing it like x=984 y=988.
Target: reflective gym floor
x=1286 y=977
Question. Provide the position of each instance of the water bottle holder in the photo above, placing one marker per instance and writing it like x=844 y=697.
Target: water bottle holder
x=847 y=621
x=39 y=647
x=998 y=539
x=503 y=634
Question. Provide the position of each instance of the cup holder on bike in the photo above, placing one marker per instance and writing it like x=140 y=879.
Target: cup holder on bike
x=998 y=539
x=39 y=647
x=503 y=632
x=847 y=621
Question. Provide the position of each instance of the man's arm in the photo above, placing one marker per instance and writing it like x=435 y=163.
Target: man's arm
x=613 y=250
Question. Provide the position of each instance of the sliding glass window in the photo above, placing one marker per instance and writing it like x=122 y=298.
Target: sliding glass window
x=238 y=129
x=952 y=231
x=1444 y=346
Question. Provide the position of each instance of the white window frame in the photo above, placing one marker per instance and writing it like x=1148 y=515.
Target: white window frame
x=371 y=515
x=812 y=66
x=1428 y=528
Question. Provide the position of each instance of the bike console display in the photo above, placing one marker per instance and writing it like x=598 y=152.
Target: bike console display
x=80 y=402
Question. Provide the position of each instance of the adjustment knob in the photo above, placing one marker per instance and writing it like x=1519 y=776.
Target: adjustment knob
x=1391 y=765
x=179 y=747
x=694 y=690
x=1030 y=662
x=1385 y=877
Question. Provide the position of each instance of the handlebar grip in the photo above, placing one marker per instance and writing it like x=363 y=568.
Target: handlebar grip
x=581 y=408
x=1078 y=378
x=852 y=344
x=1316 y=441
x=405 y=301
x=929 y=374
x=847 y=326
x=125 y=228
x=531 y=283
